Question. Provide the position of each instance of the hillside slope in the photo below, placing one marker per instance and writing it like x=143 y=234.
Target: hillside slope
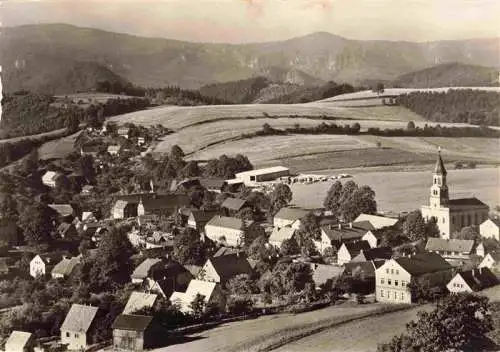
x=35 y=50
x=449 y=75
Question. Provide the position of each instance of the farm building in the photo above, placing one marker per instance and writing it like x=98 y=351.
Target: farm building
x=170 y=277
x=450 y=249
x=210 y=290
x=144 y=269
x=138 y=301
x=66 y=230
x=472 y=281
x=252 y=178
x=279 y=235
x=76 y=326
x=393 y=278
x=376 y=221
x=134 y=332
x=199 y=218
x=233 y=205
x=213 y=184
x=490 y=228
x=373 y=254
x=222 y=268
x=451 y=215
x=349 y=250
x=335 y=235
x=324 y=272
x=225 y=229
x=113 y=149
x=289 y=217
x=140 y=204
x=20 y=341
x=42 y=264
x=65 y=267
x=63 y=210
x=123 y=132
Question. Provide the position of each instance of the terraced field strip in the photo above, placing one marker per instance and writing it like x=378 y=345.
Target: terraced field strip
x=58 y=148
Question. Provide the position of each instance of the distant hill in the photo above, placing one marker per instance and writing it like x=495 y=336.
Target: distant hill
x=238 y=92
x=449 y=75
x=31 y=55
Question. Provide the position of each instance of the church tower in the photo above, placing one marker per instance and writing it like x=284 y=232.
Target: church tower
x=439 y=190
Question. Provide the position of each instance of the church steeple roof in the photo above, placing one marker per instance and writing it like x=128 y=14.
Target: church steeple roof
x=440 y=169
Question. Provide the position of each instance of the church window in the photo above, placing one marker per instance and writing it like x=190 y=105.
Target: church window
x=468 y=220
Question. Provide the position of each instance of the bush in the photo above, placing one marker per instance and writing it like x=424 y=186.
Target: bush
x=239 y=305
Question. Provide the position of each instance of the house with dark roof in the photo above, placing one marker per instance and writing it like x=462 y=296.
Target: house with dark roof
x=139 y=204
x=490 y=228
x=222 y=268
x=451 y=215
x=67 y=230
x=226 y=230
x=373 y=254
x=472 y=281
x=90 y=149
x=289 y=217
x=76 y=326
x=321 y=273
x=215 y=185
x=65 y=267
x=135 y=332
x=349 y=250
x=450 y=249
x=20 y=341
x=63 y=211
x=491 y=261
x=161 y=276
x=365 y=269
x=144 y=269
x=335 y=235
x=199 y=218
x=393 y=278
x=43 y=263
x=233 y=205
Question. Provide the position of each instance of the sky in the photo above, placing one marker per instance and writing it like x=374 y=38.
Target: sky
x=240 y=21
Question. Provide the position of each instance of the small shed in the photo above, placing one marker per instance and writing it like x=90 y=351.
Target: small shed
x=133 y=332
x=20 y=341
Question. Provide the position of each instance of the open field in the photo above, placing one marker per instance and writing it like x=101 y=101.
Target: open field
x=54 y=133
x=406 y=191
x=365 y=334
x=177 y=117
x=58 y=148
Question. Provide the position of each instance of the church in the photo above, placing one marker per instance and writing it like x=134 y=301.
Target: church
x=451 y=214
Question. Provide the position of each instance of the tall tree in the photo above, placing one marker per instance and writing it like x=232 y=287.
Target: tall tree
x=362 y=200
x=87 y=168
x=280 y=197
x=414 y=226
x=188 y=247
x=289 y=247
x=36 y=222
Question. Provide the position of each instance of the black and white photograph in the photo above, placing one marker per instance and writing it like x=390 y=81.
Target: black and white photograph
x=250 y=175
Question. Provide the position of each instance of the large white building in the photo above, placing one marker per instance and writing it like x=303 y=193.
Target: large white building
x=451 y=214
x=252 y=178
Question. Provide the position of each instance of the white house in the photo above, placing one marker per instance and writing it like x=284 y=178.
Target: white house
x=491 y=261
x=490 y=229
x=393 y=278
x=252 y=178
x=49 y=178
x=76 y=325
x=42 y=264
x=472 y=280
x=289 y=217
x=222 y=268
x=225 y=229
x=279 y=235
x=210 y=290
x=349 y=250
x=113 y=149
x=450 y=249
x=377 y=221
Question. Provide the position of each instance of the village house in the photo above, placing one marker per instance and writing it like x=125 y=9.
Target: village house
x=222 y=268
x=321 y=273
x=140 y=204
x=472 y=281
x=349 y=250
x=42 y=264
x=215 y=185
x=144 y=269
x=393 y=278
x=65 y=212
x=20 y=341
x=210 y=290
x=90 y=149
x=491 y=261
x=490 y=228
x=65 y=267
x=279 y=235
x=253 y=178
x=376 y=221
x=123 y=132
x=199 y=218
x=373 y=254
x=141 y=141
x=363 y=269
x=451 y=215
x=480 y=250
x=113 y=150
x=134 y=332
x=87 y=190
x=138 y=301
x=172 y=276
x=227 y=230
x=124 y=210
x=233 y=205
x=76 y=326
x=289 y=217
x=49 y=178
x=335 y=235
x=450 y=249
x=66 y=230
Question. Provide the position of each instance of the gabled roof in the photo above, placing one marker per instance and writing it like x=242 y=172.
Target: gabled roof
x=285 y=233
x=193 y=269
x=495 y=256
x=50 y=176
x=377 y=221
x=324 y=272
x=114 y=148
x=423 y=263
x=226 y=222
x=230 y=265
x=142 y=270
x=17 y=340
x=365 y=225
x=344 y=233
x=202 y=216
x=373 y=253
x=64 y=228
x=120 y=204
x=354 y=248
x=62 y=209
x=227 y=251
x=233 y=203
x=495 y=220
x=449 y=245
x=466 y=202
x=439 y=168
x=204 y=288
x=478 y=279
x=132 y=322
x=367 y=267
x=291 y=214
x=212 y=183
x=51 y=258
x=164 y=201
x=138 y=301
x=66 y=266
x=79 y=318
